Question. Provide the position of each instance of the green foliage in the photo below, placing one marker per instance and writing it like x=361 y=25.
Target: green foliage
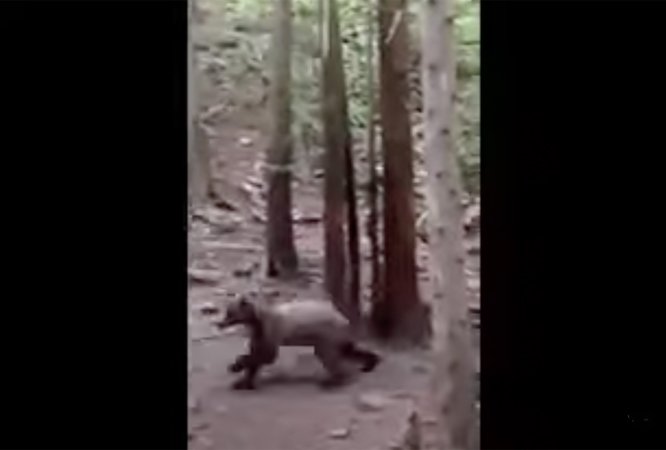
x=467 y=34
x=243 y=10
x=354 y=24
x=254 y=17
x=353 y=19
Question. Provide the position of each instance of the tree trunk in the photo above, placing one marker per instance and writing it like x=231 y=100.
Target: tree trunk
x=198 y=152
x=352 y=230
x=350 y=187
x=341 y=279
x=401 y=315
x=375 y=283
x=454 y=374
x=282 y=259
x=334 y=208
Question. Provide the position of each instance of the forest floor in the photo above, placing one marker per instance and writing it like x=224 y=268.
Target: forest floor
x=226 y=257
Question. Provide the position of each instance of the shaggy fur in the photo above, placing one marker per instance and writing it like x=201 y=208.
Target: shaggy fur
x=313 y=324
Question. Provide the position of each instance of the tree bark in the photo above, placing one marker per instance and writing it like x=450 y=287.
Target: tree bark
x=401 y=315
x=453 y=379
x=352 y=231
x=282 y=258
x=341 y=250
x=198 y=151
x=334 y=195
x=353 y=254
x=373 y=219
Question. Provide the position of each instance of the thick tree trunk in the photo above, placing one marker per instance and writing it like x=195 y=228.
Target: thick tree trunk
x=454 y=375
x=352 y=230
x=282 y=259
x=354 y=271
x=338 y=179
x=401 y=314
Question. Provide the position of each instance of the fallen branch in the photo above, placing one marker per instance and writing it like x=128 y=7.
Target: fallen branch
x=210 y=132
x=224 y=204
x=233 y=246
x=209 y=337
x=212 y=111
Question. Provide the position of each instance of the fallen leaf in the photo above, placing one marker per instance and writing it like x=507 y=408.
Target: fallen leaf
x=472 y=247
x=339 y=433
x=203 y=276
x=256 y=182
x=371 y=402
x=306 y=218
x=474 y=284
x=231 y=331
x=246 y=271
x=258 y=216
x=209 y=309
x=225 y=204
x=228 y=42
x=472 y=216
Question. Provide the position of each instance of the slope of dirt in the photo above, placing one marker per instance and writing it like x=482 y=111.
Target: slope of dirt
x=289 y=411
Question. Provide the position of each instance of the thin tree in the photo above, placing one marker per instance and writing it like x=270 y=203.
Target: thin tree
x=353 y=251
x=401 y=314
x=282 y=258
x=373 y=214
x=198 y=152
x=341 y=249
x=454 y=374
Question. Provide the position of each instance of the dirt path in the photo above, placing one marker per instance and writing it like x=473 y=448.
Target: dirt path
x=290 y=412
